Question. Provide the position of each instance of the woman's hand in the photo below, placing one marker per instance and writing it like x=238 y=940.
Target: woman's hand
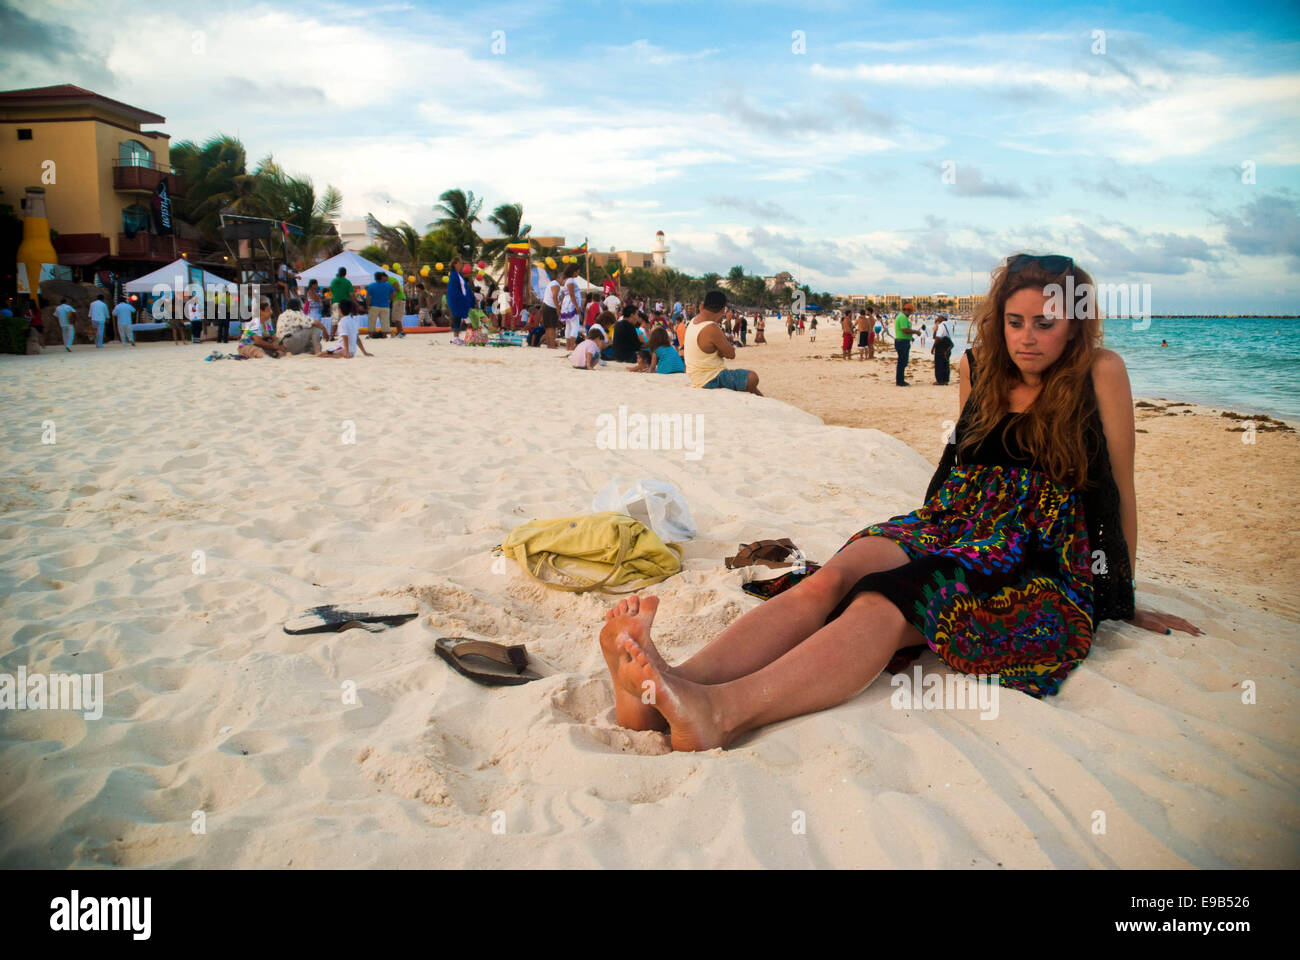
x=1166 y=623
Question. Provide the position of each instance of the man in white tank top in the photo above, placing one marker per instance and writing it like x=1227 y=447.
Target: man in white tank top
x=707 y=346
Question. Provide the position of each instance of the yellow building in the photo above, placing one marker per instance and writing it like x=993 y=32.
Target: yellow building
x=627 y=259
x=100 y=171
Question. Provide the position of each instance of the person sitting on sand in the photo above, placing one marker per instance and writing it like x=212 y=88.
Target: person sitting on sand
x=298 y=332
x=586 y=355
x=642 y=362
x=707 y=346
x=1026 y=541
x=255 y=341
x=349 y=334
x=625 y=340
x=663 y=358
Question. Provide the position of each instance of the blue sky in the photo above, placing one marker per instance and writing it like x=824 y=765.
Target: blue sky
x=865 y=147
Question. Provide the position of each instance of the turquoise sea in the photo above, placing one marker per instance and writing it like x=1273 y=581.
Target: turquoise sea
x=1244 y=364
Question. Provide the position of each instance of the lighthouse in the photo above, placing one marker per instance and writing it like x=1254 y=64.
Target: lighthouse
x=659 y=253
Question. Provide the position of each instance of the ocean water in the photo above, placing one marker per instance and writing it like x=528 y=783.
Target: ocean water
x=1244 y=364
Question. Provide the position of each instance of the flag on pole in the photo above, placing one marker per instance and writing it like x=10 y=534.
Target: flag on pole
x=617 y=272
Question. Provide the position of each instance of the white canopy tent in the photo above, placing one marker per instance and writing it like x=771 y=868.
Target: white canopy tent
x=175 y=276
x=360 y=270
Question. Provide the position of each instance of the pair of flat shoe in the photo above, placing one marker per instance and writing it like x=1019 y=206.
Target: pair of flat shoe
x=483 y=661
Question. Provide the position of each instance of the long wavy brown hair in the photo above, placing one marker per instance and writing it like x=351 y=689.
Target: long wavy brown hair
x=1054 y=428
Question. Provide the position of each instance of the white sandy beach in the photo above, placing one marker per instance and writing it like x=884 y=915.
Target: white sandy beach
x=160 y=455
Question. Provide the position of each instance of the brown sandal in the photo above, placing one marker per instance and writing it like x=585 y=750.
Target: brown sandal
x=769 y=553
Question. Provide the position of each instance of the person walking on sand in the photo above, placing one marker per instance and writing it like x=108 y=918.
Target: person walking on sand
x=846 y=335
x=66 y=314
x=993 y=573
x=124 y=317
x=903 y=342
x=707 y=346
x=99 y=316
x=942 y=351
x=812 y=330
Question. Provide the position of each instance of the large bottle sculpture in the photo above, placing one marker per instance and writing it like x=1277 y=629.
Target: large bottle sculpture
x=36 y=248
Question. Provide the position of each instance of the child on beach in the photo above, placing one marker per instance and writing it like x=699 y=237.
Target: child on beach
x=642 y=362
x=663 y=358
x=586 y=355
x=349 y=333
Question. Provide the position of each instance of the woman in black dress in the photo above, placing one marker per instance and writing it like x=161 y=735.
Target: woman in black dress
x=1026 y=541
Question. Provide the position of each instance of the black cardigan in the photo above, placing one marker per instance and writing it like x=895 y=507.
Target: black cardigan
x=1112 y=590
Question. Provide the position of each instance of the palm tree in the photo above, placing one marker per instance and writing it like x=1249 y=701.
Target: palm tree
x=280 y=195
x=459 y=209
x=508 y=219
x=400 y=242
x=218 y=179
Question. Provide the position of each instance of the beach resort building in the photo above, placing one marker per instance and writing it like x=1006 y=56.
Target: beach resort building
x=108 y=181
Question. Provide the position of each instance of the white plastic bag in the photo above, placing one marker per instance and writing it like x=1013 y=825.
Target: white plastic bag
x=656 y=503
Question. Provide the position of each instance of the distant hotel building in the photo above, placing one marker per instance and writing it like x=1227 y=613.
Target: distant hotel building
x=101 y=171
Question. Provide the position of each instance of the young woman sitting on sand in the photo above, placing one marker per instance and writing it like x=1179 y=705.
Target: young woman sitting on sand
x=1026 y=540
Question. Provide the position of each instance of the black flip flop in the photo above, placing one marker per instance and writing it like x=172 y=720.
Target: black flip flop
x=331 y=618
x=483 y=661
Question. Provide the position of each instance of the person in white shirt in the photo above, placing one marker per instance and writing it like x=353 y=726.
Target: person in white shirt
x=550 y=313
x=66 y=314
x=612 y=304
x=571 y=307
x=124 y=315
x=349 y=332
x=99 y=316
x=586 y=355
x=942 y=351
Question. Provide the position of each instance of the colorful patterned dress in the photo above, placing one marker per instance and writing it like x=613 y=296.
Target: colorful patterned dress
x=1000 y=573
x=998 y=578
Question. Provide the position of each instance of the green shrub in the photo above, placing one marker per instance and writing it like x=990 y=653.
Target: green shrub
x=13 y=335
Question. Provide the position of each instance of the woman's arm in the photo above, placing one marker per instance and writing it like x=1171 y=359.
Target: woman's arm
x=1115 y=404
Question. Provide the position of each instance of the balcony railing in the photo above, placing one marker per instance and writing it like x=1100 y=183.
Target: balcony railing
x=142 y=176
x=149 y=246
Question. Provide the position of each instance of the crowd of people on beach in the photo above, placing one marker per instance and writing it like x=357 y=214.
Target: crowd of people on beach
x=695 y=340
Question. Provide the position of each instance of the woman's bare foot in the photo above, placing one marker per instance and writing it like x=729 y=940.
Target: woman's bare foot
x=685 y=705
x=630 y=614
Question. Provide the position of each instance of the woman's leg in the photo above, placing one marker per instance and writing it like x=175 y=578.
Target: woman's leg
x=828 y=668
x=779 y=624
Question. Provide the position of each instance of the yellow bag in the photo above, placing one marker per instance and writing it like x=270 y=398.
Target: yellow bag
x=596 y=551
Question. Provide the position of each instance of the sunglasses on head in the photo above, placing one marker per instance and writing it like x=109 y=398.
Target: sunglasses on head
x=1052 y=263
